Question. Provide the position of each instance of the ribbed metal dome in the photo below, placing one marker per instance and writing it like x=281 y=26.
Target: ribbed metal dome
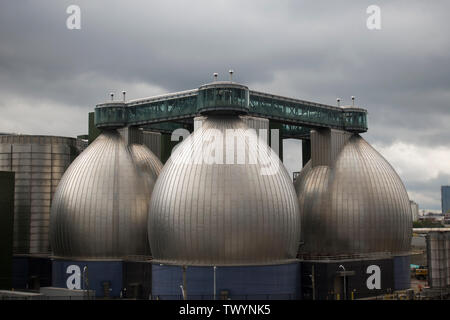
x=223 y=214
x=357 y=205
x=100 y=207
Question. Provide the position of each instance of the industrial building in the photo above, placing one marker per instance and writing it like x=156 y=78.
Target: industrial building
x=131 y=218
x=38 y=163
x=414 y=211
x=445 y=198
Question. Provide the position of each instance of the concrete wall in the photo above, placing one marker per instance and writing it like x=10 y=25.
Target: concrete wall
x=39 y=163
x=152 y=140
x=326 y=145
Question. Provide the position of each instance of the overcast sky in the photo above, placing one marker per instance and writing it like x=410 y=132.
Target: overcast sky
x=51 y=77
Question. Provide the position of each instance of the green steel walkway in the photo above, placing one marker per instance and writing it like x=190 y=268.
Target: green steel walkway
x=165 y=113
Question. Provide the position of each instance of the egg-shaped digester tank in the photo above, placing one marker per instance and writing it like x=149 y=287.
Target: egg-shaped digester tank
x=100 y=207
x=356 y=205
x=204 y=212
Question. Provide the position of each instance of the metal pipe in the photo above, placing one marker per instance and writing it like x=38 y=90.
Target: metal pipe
x=426 y=230
x=184 y=286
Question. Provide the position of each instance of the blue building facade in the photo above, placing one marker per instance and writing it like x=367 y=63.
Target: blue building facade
x=272 y=282
x=402 y=277
x=105 y=277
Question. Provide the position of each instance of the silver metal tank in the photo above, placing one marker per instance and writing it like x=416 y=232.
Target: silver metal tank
x=100 y=207
x=39 y=163
x=438 y=258
x=356 y=204
x=212 y=213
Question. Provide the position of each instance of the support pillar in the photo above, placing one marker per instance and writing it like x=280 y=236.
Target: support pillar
x=94 y=132
x=306 y=151
x=279 y=139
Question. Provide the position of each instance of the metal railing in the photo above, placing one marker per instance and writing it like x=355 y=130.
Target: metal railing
x=345 y=256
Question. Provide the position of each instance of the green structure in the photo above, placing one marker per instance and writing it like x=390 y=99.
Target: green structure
x=293 y=117
x=6 y=227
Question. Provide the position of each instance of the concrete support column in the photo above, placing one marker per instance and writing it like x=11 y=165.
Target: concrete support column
x=166 y=146
x=306 y=151
x=326 y=144
x=94 y=132
x=274 y=139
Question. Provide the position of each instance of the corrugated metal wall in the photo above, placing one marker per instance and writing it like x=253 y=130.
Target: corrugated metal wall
x=39 y=163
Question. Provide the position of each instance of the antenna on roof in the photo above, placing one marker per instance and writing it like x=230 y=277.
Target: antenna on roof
x=338 y=102
x=231 y=74
x=112 y=96
x=215 y=74
x=353 y=101
x=124 y=93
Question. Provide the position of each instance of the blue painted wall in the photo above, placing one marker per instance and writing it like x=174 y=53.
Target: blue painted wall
x=243 y=282
x=98 y=272
x=20 y=272
x=25 y=268
x=402 y=273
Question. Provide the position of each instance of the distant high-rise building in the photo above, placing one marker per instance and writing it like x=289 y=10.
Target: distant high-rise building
x=445 y=197
x=414 y=210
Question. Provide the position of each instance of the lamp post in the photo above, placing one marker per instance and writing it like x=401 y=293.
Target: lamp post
x=345 y=289
x=184 y=286
x=86 y=280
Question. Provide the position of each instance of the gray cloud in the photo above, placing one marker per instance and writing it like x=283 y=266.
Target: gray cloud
x=314 y=50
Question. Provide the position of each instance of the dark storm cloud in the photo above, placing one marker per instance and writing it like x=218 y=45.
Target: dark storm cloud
x=314 y=50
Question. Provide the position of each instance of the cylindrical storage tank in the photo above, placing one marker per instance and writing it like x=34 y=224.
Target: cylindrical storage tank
x=211 y=207
x=437 y=259
x=100 y=207
x=447 y=256
x=39 y=163
x=356 y=205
